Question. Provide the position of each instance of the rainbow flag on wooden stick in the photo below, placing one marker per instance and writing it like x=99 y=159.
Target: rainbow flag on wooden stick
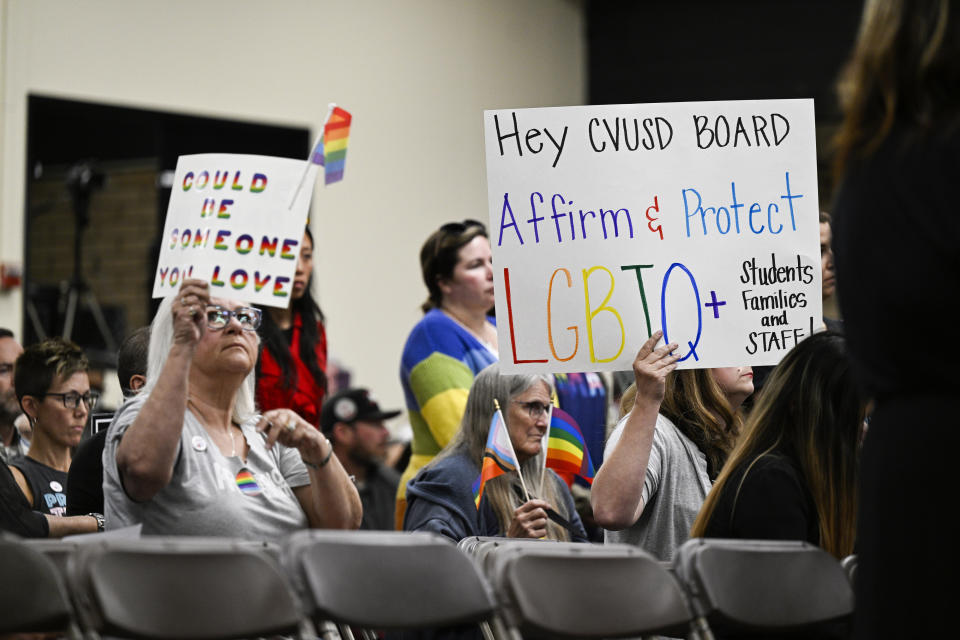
x=498 y=457
x=567 y=452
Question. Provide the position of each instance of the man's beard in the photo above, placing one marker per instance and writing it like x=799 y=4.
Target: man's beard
x=8 y=414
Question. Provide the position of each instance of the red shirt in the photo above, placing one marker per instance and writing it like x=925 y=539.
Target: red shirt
x=306 y=396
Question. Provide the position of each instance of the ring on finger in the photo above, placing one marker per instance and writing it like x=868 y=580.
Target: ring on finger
x=291 y=425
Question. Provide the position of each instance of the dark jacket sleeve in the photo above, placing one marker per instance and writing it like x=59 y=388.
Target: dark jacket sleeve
x=440 y=499
x=424 y=515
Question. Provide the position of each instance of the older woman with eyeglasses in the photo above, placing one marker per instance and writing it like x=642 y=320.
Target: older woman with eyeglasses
x=441 y=498
x=190 y=455
x=452 y=343
x=51 y=384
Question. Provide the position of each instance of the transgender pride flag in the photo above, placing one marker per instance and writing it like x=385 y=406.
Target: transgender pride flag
x=498 y=457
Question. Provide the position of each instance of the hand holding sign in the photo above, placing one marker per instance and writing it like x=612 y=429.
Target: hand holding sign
x=189 y=312
x=651 y=366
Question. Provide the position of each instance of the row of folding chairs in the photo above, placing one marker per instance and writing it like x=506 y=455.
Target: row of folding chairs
x=713 y=588
x=343 y=584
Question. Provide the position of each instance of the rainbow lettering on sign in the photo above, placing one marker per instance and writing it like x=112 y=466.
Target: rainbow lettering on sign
x=247 y=484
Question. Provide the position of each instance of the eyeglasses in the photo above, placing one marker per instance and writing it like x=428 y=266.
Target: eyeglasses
x=219 y=317
x=534 y=409
x=71 y=399
x=460 y=227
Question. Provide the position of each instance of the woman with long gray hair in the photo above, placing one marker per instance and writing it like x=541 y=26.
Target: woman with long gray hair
x=441 y=499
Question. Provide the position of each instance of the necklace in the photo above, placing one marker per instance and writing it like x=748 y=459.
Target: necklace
x=197 y=413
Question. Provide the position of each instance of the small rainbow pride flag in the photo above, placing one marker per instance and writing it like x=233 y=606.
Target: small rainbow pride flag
x=567 y=452
x=331 y=150
x=498 y=457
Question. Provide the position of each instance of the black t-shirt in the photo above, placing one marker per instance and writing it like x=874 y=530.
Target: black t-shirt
x=15 y=513
x=772 y=503
x=48 y=485
x=85 y=478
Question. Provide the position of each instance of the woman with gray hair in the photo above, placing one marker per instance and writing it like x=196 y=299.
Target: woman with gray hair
x=190 y=455
x=441 y=498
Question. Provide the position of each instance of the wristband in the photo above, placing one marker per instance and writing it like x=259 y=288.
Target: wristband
x=99 y=519
x=325 y=460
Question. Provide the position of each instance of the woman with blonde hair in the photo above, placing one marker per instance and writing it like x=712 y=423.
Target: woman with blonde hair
x=793 y=473
x=441 y=498
x=662 y=456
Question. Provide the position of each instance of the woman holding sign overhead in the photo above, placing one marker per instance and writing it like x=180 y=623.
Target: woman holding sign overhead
x=446 y=496
x=662 y=456
x=451 y=344
x=189 y=455
x=292 y=368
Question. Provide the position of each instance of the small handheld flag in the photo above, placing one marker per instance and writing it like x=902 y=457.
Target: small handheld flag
x=336 y=135
x=498 y=456
x=330 y=149
x=567 y=452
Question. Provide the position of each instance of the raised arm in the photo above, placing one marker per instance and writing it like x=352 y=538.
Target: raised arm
x=148 y=450
x=616 y=495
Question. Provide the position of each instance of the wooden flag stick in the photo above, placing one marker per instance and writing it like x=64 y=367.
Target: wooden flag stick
x=523 y=484
x=303 y=176
x=544 y=447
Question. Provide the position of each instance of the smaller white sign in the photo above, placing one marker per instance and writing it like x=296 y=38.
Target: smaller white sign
x=230 y=222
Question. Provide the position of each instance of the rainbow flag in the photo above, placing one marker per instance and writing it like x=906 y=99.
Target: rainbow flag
x=336 y=135
x=498 y=457
x=567 y=452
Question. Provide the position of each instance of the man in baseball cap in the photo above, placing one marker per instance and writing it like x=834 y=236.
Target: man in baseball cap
x=353 y=421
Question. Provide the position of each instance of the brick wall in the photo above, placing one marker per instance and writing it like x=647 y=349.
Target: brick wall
x=117 y=242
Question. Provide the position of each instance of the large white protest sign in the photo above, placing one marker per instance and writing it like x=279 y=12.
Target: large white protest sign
x=231 y=222
x=610 y=222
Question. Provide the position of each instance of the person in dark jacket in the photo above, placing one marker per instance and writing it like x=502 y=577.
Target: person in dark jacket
x=441 y=497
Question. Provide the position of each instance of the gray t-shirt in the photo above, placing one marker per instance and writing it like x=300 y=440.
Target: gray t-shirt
x=674 y=489
x=210 y=494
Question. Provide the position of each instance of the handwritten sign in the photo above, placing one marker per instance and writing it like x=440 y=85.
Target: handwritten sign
x=230 y=222
x=610 y=222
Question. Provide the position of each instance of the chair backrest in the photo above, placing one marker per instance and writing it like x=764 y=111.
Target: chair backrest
x=760 y=587
x=849 y=565
x=33 y=598
x=181 y=588
x=55 y=550
x=587 y=591
x=387 y=580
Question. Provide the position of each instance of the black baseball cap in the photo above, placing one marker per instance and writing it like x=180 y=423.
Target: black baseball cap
x=351 y=405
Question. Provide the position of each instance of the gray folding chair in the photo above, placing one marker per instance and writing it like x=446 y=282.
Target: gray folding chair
x=385 y=580
x=849 y=565
x=762 y=588
x=199 y=588
x=33 y=598
x=57 y=551
x=586 y=591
